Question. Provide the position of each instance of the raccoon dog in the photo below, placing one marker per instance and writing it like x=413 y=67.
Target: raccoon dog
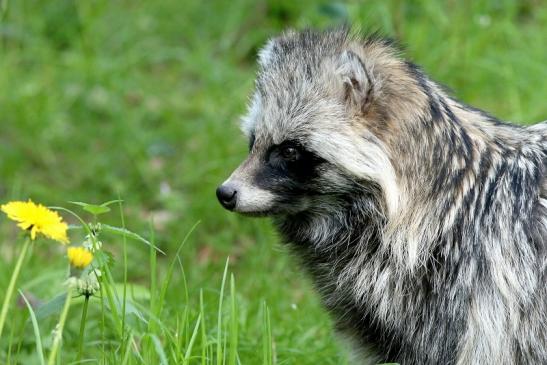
x=421 y=220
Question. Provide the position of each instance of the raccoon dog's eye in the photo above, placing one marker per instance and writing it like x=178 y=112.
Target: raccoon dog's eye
x=251 y=142
x=289 y=153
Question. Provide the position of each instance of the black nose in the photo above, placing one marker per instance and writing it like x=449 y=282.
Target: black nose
x=227 y=196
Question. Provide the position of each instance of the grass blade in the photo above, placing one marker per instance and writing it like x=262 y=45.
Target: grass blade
x=159 y=349
x=192 y=340
x=124 y=295
x=267 y=350
x=39 y=348
x=219 y=353
x=204 y=343
x=232 y=358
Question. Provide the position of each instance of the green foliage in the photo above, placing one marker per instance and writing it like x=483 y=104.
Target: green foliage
x=140 y=100
x=96 y=209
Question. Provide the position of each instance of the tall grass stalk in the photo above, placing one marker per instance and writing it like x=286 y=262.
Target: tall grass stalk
x=219 y=353
x=152 y=324
x=204 y=344
x=267 y=345
x=124 y=295
x=3 y=8
x=58 y=336
x=13 y=280
x=82 y=328
x=232 y=359
x=103 y=320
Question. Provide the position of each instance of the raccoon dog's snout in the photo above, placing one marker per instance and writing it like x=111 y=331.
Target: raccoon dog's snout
x=243 y=197
x=241 y=192
x=227 y=196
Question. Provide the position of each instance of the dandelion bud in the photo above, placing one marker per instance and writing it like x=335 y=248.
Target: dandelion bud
x=92 y=243
x=95 y=228
x=79 y=257
x=89 y=284
x=98 y=245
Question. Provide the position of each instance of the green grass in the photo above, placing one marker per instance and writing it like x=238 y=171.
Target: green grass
x=140 y=99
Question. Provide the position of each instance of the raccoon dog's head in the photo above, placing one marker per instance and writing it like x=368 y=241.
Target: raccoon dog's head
x=311 y=126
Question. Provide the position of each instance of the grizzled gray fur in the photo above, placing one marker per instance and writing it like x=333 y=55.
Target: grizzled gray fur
x=421 y=220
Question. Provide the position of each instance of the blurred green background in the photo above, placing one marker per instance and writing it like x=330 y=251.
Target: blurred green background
x=140 y=99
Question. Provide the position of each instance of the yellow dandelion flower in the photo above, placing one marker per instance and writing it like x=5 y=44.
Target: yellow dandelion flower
x=79 y=257
x=37 y=219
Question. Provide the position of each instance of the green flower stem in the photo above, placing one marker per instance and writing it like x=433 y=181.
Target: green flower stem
x=82 y=329
x=59 y=330
x=11 y=286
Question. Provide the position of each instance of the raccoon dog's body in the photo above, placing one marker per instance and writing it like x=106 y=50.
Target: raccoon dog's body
x=421 y=220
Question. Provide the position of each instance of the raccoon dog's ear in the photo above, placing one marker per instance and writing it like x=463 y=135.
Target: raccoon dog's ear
x=356 y=81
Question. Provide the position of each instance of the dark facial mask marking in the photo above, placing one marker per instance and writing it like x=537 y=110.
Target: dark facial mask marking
x=288 y=169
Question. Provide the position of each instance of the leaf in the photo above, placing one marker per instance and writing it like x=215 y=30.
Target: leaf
x=96 y=209
x=92 y=208
x=136 y=291
x=104 y=258
x=130 y=308
x=52 y=307
x=110 y=202
x=124 y=232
